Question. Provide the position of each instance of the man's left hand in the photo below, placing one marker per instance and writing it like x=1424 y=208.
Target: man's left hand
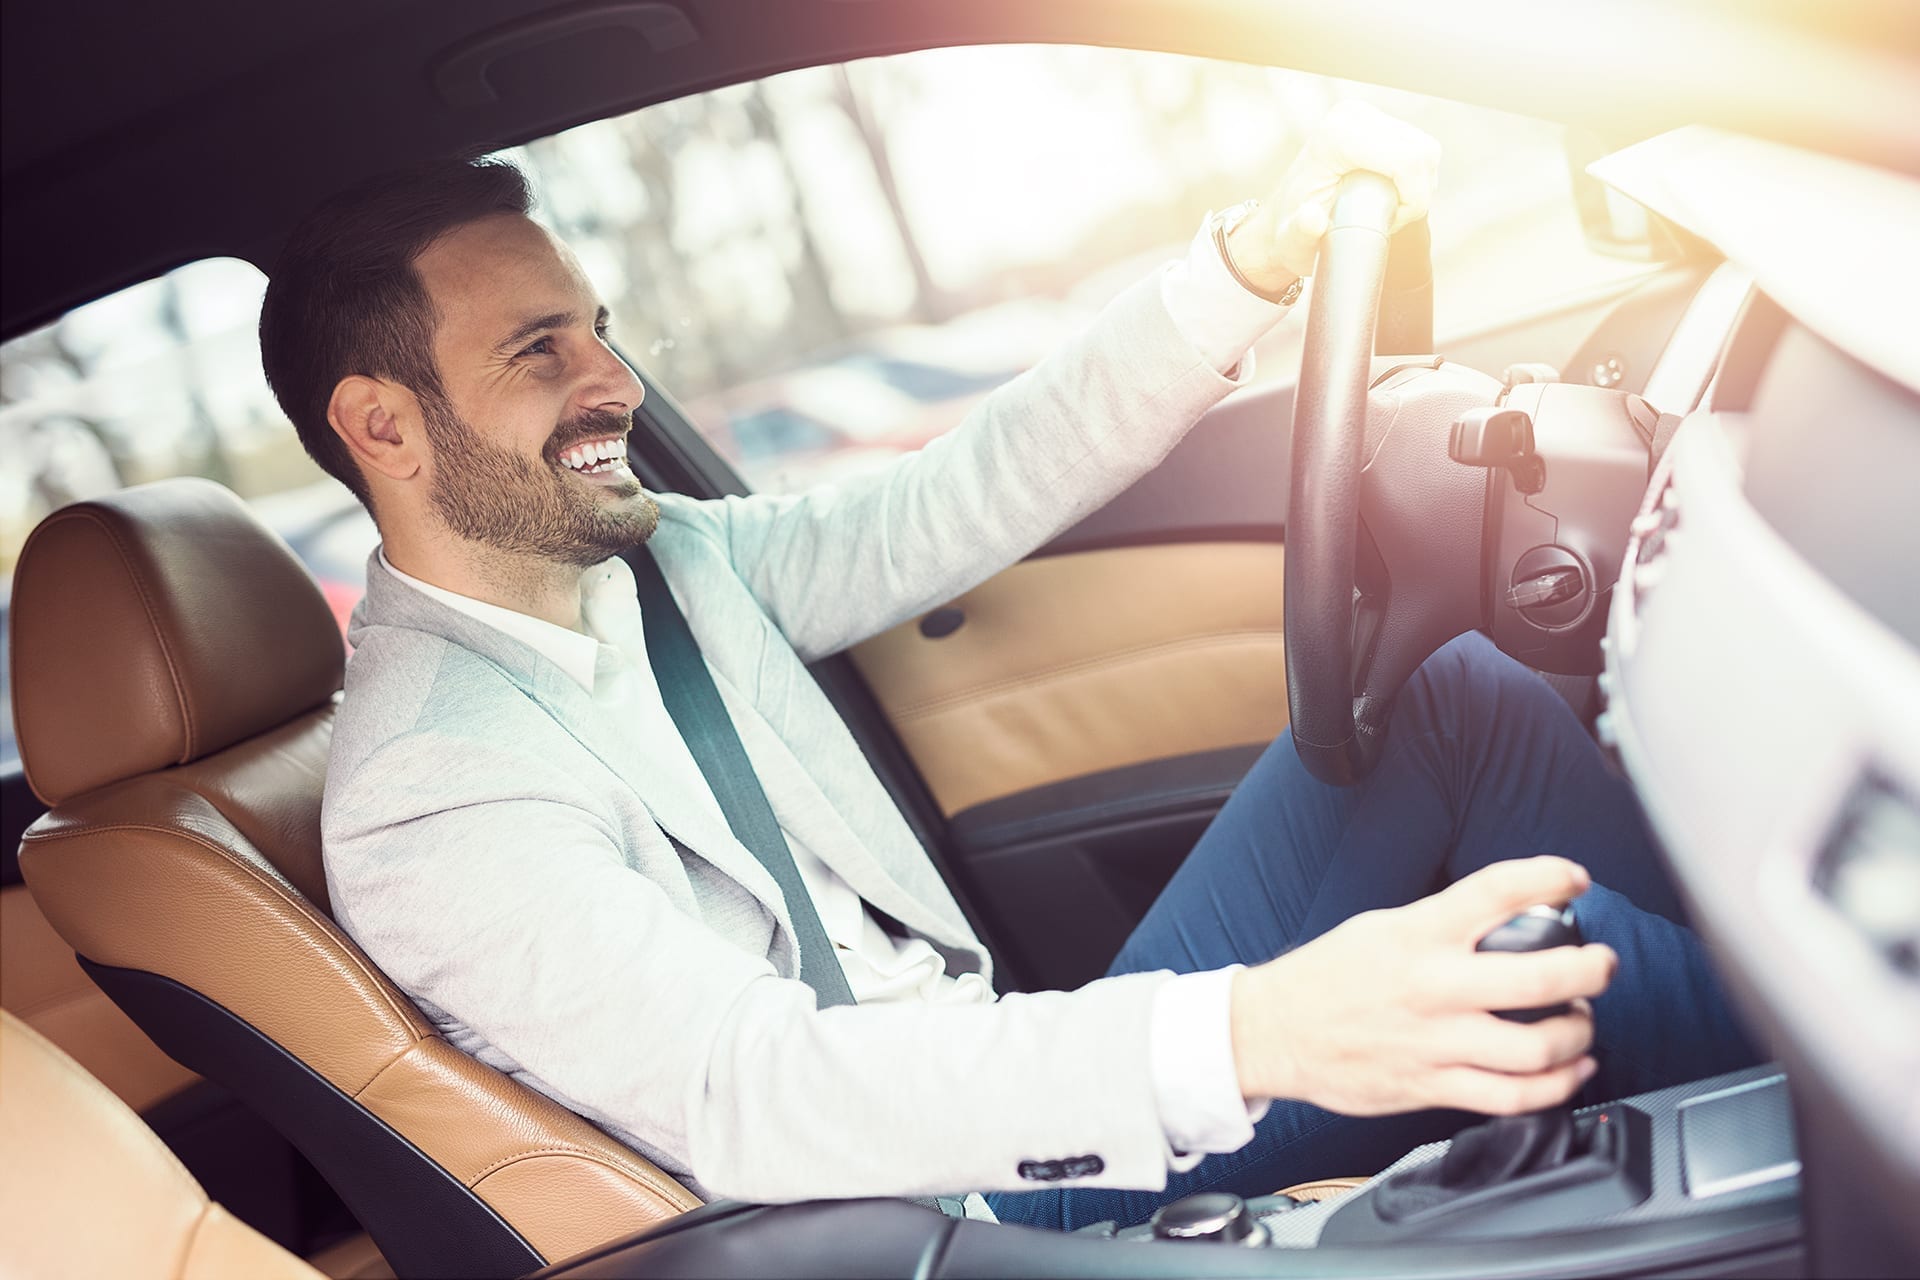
x=1277 y=244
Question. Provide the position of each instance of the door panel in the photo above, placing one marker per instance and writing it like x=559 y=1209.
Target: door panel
x=1070 y=665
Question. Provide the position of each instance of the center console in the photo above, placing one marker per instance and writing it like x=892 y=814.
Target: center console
x=1701 y=1179
x=1698 y=1149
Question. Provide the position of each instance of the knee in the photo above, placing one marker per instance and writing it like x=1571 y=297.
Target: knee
x=1471 y=658
x=1460 y=673
x=1465 y=679
x=1474 y=663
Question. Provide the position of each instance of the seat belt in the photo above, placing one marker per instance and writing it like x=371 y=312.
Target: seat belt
x=692 y=699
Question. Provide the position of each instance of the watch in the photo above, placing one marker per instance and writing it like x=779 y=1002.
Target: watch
x=1223 y=223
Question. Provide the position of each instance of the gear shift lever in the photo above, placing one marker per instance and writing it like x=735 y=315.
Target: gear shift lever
x=1536 y=929
x=1509 y=1147
x=1518 y=1165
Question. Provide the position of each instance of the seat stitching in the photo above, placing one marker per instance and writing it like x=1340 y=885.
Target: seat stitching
x=13 y=656
x=45 y=837
x=634 y=1172
x=1010 y=684
x=146 y=603
x=584 y=1153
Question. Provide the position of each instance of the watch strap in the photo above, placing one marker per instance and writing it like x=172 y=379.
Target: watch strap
x=1226 y=222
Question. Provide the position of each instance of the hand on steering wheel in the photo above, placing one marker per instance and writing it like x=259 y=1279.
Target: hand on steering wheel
x=1277 y=244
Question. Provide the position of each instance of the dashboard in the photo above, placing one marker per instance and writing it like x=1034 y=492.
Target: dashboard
x=1762 y=683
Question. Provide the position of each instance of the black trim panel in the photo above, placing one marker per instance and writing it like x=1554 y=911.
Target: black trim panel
x=247 y=1166
x=1138 y=792
x=424 y=1220
x=1069 y=869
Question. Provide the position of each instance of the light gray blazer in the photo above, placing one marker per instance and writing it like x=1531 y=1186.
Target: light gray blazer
x=499 y=849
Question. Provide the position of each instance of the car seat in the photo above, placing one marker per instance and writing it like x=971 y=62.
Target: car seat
x=90 y=1190
x=175 y=674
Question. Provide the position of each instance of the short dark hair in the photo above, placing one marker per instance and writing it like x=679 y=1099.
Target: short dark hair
x=345 y=298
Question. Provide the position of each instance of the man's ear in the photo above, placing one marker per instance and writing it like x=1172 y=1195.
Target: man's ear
x=380 y=422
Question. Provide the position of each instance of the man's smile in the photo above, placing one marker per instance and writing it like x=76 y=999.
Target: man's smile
x=604 y=459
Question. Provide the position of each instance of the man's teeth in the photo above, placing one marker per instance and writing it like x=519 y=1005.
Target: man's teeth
x=595 y=455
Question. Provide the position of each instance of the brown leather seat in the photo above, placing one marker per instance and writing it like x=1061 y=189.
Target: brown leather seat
x=90 y=1191
x=175 y=672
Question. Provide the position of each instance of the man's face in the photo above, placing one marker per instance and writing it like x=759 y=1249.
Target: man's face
x=529 y=445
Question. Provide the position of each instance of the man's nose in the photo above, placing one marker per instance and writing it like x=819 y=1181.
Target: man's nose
x=615 y=384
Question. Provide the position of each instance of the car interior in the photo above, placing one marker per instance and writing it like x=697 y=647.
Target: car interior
x=1685 y=499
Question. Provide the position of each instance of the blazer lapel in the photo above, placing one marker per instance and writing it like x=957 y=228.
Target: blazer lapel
x=633 y=753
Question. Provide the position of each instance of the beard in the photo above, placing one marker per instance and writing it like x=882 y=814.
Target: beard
x=498 y=498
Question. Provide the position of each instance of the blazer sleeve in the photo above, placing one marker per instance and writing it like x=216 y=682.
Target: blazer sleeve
x=839 y=563
x=517 y=916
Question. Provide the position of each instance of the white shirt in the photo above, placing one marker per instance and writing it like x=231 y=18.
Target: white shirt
x=1196 y=1086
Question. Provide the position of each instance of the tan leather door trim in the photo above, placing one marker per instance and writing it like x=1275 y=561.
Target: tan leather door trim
x=1068 y=665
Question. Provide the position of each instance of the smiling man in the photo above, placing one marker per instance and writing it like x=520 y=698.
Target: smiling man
x=517 y=832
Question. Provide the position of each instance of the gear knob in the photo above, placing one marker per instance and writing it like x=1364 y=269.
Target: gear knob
x=1210 y=1215
x=1538 y=928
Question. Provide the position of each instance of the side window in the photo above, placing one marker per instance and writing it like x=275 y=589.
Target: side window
x=163 y=379
x=831 y=266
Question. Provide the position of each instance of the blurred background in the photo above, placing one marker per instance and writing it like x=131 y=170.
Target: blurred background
x=824 y=268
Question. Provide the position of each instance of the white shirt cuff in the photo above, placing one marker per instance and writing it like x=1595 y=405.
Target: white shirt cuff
x=1212 y=310
x=1195 y=1083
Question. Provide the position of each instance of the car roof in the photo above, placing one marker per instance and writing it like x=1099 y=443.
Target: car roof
x=135 y=137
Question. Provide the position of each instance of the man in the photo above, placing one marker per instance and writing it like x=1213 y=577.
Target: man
x=516 y=832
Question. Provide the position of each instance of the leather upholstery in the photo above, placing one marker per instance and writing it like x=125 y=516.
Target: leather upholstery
x=155 y=627
x=1075 y=664
x=43 y=986
x=90 y=1191
x=192 y=850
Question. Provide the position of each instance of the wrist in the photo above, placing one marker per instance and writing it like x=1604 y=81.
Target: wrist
x=1252 y=245
x=1257 y=1060
x=1248 y=244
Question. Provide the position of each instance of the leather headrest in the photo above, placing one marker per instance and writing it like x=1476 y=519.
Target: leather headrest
x=156 y=626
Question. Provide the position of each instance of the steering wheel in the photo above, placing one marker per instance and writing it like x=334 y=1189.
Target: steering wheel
x=1338 y=698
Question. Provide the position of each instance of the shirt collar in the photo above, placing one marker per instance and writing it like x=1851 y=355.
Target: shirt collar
x=572 y=652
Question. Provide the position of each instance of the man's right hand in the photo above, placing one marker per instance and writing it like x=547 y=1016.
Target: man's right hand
x=1390 y=1011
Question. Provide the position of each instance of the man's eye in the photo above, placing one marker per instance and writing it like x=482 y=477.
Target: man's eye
x=602 y=331
x=544 y=347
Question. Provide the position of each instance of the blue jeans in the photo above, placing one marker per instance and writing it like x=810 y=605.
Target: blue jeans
x=1483 y=761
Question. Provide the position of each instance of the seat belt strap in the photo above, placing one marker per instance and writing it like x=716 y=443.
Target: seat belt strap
x=692 y=699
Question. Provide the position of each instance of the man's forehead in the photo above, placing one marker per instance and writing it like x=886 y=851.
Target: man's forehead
x=495 y=268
